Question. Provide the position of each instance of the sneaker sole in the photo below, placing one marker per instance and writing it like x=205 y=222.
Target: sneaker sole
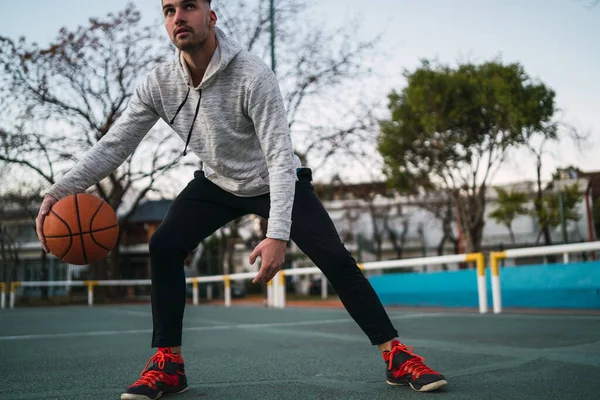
x=396 y=383
x=430 y=387
x=130 y=396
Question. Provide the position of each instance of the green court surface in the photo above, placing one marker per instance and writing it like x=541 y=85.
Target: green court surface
x=249 y=352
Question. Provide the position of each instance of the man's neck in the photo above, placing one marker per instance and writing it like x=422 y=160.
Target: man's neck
x=198 y=60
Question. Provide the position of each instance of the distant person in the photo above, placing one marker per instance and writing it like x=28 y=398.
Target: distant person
x=226 y=105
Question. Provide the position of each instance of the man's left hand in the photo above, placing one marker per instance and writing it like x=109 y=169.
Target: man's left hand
x=272 y=254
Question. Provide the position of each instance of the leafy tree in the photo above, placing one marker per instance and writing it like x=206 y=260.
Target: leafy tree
x=551 y=214
x=450 y=129
x=510 y=205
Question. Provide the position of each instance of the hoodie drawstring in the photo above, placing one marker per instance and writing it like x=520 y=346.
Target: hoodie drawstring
x=189 y=136
x=187 y=142
x=180 y=106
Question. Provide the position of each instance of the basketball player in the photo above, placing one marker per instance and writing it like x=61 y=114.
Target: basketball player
x=225 y=104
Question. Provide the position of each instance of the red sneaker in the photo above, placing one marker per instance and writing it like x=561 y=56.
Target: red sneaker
x=407 y=368
x=163 y=373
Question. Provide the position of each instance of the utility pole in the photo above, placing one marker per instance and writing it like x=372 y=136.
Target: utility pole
x=272 y=17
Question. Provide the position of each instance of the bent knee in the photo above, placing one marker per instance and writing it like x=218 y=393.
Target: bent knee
x=162 y=242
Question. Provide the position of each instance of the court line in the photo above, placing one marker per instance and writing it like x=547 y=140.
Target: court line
x=148 y=314
x=202 y=328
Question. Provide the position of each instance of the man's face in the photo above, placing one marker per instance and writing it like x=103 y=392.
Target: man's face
x=188 y=22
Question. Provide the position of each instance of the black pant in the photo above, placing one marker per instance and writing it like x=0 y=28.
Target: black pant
x=202 y=208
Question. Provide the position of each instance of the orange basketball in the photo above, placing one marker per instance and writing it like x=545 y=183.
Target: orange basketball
x=81 y=229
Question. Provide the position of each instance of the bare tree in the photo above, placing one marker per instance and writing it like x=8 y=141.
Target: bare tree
x=443 y=208
x=63 y=98
x=397 y=238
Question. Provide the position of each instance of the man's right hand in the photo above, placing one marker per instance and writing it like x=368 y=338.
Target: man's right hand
x=47 y=204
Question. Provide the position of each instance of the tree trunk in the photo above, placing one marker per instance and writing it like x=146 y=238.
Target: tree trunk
x=471 y=209
x=539 y=204
x=440 y=246
x=4 y=258
x=397 y=240
x=511 y=234
x=377 y=239
x=440 y=250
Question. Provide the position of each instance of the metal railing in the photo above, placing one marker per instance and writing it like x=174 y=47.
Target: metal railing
x=496 y=256
x=276 y=287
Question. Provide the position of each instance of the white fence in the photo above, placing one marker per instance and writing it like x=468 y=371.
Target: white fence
x=496 y=256
x=276 y=287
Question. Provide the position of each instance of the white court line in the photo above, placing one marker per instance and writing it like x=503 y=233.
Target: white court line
x=148 y=314
x=131 y=312
x=205 y=328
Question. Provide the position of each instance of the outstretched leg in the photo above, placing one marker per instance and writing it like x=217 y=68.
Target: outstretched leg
x=314 y=233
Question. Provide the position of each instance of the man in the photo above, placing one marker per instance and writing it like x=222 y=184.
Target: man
x=226 y=105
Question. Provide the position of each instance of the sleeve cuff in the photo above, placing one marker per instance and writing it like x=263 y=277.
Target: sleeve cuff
x=279 y=229
x=58 y=192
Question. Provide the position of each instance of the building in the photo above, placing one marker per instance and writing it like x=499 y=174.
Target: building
x=374 y=222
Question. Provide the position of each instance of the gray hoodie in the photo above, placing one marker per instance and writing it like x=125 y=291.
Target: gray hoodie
x=234 y=121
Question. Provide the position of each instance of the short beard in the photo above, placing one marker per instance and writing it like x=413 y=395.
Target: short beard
x=190 y=47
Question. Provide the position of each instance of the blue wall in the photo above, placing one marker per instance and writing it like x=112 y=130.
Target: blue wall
x=575 y=285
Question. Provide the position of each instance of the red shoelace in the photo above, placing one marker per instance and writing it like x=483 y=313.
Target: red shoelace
x=149 y=378
x=414 y=367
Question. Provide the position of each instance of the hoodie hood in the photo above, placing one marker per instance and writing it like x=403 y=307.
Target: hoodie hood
x=225 y=52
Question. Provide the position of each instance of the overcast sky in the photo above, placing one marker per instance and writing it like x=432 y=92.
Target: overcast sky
x=557 y=41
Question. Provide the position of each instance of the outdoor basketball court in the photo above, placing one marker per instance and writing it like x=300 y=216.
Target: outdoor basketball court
x=248 y=352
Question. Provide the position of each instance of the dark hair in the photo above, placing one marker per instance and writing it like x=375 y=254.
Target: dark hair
x=208 y=1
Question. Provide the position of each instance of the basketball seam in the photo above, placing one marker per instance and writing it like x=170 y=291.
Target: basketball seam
x=70 y=234
x=84 y=233
x=95 y=213
x=92 y=236
x=80 y=234
x=92 y=232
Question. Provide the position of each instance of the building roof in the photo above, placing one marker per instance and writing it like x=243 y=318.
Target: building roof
x=151 y=211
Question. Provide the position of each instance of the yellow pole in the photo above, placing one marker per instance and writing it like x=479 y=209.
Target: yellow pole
x=281 y=289
x=227 y=280
x=13 y=293
x=270 y=295
x=195 y=291
x=479 y=259
x=2 y=295
x=90 y=285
